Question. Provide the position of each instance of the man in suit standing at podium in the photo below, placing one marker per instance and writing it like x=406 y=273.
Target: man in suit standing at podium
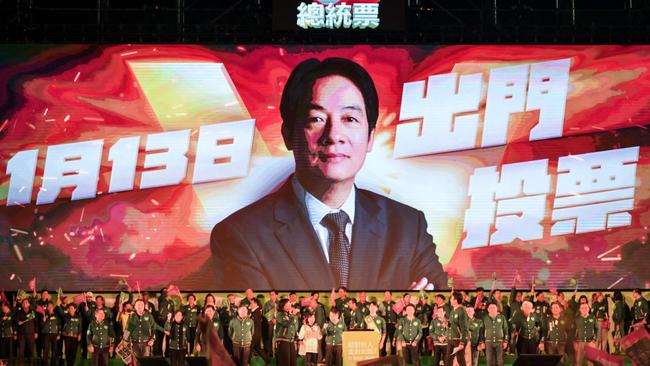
x=318 y=230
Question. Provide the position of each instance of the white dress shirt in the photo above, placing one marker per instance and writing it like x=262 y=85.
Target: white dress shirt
x=316 y=210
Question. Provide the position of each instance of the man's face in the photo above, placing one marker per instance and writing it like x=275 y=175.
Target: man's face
x=497 y=295
x=334 y=139
x=352 y=305
x=373 y=309
x=636 y=295
x=71 y=310
x=25 y=305
x=342 y=293
x=387 y=296
x=139 y=307
x=316 y=296
x=584 y=310
x=249 y=294
x=99 y=315
x=470 y=312
x=362 y=297
x=45 y=295
x=191 y=300
x=273 y=296
x=527 y=308
x=293 y=297
x=492 y=310
x=242 y=312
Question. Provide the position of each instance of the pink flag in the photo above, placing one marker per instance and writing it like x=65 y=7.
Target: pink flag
x=601 y=357
x=32 y=284
x=78 y=299
x=40 y=310
x=398 y=307
x=173 y=290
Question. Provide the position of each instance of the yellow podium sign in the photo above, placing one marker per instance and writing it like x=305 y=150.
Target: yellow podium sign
x=360 y=346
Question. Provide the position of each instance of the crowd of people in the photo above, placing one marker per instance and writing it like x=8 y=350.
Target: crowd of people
x=454 y=328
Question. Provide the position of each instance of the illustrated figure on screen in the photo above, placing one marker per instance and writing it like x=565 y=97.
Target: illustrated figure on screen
x=319 y=230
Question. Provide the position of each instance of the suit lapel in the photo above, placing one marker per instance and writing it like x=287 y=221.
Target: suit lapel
x=299 y=241
x=368 y=242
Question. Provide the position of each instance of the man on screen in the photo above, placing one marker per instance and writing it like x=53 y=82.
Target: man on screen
x=318 y=230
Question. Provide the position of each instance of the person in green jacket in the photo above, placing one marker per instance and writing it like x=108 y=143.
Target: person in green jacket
x=409 y=333
x=640 y=311
x=459 y=325
x=333 y=332
x=141 y=330
x=99 y=338
x=556 y=331
x=177 y=331
x=495 y=335
x=213 y=322
x=51 y=333
x=71 y=333
x=286 y=328
x=475 y=338
x=586 y=333
x=241 y=331
x=439 y=331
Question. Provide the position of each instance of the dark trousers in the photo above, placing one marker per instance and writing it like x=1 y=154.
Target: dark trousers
x=267 y=337
x=161 y=338
x=494 y=353
x=411 y=355
x=311 y=359
x=459 y=356
x=390 y=335
x=286 y=353
x=84 y=344
x=100 y=356
x=241 y=354
x=71 y=346
x=554 y=348
x=423 y=341
x=50 y=347
x=177 y=357
x=333 y=355
x=6 y=348
x=26 y=345
x=439 y=354
x=526 y=346
x=256 y=348
x=191 y=337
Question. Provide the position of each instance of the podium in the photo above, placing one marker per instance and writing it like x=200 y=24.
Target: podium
x=360 y=345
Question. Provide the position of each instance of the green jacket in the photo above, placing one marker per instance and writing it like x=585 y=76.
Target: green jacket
x=7 y=325
x=241 y=331
x=586 y=328
x=475 y=327
x=141 y=328
x=286 y=326
x=356 y=319
x=387 y=312
x=459 y=324
x=555 y=330
x=100 y=335
x=495 y=329
x=640 y=309
x=51 y=324
x=529 y=327
x=191 y=315
x=439 y=328
x=376 y=324
x=178 y=339
x=600 y=309
x=71 y=325
x=409 y=331
x=334 y=332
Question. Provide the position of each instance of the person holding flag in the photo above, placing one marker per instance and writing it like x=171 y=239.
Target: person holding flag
x=51 y=333
x=165 y=307
x=213 y=322
x=26 y=330
x=177 y=331
x=140 y=330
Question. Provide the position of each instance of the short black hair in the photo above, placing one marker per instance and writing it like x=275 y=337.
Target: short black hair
x=342 y=288
x=315 y=293
x=282 y=304
x=298 y=90
x=457 y=296
x=480 y=289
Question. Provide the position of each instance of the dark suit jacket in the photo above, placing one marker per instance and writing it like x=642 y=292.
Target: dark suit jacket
x=272 y=245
